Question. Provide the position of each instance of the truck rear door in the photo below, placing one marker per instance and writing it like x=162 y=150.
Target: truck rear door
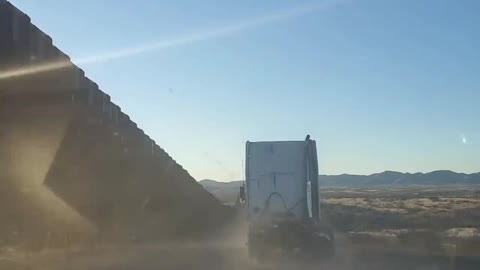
x=276 y=172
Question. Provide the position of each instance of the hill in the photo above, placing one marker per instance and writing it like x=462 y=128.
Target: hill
x=443 y=177
x=227 y=191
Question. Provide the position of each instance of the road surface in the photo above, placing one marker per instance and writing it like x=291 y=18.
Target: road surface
x=211 y=256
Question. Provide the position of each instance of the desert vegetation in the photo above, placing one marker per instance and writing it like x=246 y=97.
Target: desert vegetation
x=424 y=218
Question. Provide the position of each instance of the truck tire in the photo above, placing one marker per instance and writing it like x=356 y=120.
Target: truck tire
x=257 y=251
x=320 y=245
x=323 y=247
x=325 y=240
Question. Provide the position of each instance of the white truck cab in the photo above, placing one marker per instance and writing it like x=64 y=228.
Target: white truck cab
x=282 y=197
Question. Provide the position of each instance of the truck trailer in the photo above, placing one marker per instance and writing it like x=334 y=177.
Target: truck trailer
x=282 y=200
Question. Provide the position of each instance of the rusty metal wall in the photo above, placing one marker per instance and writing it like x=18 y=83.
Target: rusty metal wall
x=104 y=167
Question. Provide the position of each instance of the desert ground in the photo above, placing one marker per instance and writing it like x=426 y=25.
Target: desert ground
x=414 y=227
x=438 y=220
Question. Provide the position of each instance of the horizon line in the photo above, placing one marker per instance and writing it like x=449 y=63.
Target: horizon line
x=386 y=171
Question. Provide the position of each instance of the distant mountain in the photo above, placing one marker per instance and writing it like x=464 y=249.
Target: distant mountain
x=224 y=191
x=398 y=178
x=227 y=191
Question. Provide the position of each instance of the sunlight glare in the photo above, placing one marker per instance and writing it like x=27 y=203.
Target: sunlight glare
x=241 y=26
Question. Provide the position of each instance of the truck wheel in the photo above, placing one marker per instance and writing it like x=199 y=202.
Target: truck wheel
x=327 y=249
x=322 y=248
x=324 y=241
x=257 y=253
x=251 y=252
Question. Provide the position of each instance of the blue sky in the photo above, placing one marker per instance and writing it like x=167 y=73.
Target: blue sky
x=381 y=85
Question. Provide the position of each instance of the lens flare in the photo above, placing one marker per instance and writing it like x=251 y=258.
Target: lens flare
x=35 y=68
x=242 y=26
x=30 y=159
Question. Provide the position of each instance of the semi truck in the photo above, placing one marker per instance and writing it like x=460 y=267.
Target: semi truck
x=282 y=200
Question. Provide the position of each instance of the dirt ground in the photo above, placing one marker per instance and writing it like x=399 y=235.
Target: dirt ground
x=223 y=255
x=382 y=230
